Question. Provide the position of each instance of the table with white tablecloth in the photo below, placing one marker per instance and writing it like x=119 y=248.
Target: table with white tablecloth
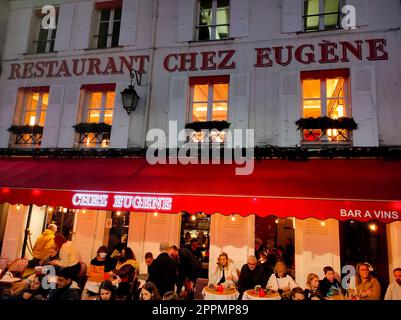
x=227 y=294
x=252 y=295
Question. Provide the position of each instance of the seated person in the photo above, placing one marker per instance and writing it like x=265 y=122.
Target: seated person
x=280 y=281
x=312 y=288
x=252 y=274
x=329 y=284
x=53 y=255
x=32 y=291
x=225 y=273
x=96 y=272
x=149 y=292
x=66 y=289
x=125 y=270
x=107 y=291
x=297 y=294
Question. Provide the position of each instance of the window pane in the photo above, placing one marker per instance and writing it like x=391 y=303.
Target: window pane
x=222 y=16
x=220 y=92
x=34 y=100
x=205 y=13
x=108 y=116
x=42 y=41
x=201 y=93
x=311 y=8
x=335 y=88
x=336 y=108
x=219 y=111
x=42 y=118
x=30 y=118
x=311 y=108
x=223 y=32
x=223 y=3
x=103 y=33
x=204 y=33
x=199 y=112
x=331 y=6
x=116 y=34
x=45 y=101
x=117 y=14
x=105 y=15
x=311 y=88
x=94 y=116
x=110 y=96
x=96 y=100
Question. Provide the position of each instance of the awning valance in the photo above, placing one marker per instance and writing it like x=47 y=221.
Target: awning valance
x=360 y=189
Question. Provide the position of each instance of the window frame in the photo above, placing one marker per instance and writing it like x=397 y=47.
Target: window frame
x=213 y=26
x=110 y=32
x=210 y=82
x=103 y=108
x=50 y=37
x=321 y=15
x=28 y=94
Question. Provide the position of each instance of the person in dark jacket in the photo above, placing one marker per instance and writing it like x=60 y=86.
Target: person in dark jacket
x=33 y=291
x=66 y=288
x=188 y=268
x=163 y=271
x=329 y=284
x=251 y=275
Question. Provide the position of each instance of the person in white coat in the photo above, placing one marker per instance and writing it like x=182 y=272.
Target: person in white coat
x=280 y=280
x=394 y=289
x=225 y=272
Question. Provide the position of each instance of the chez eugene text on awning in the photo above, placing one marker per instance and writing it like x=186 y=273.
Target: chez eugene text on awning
x=360 y=189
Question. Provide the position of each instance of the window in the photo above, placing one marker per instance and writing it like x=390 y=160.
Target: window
x=325 y=94
x=213 y=19
x=322 y=15
x=209 y=102
x=109 y=28
x=96 y=116
x=30 y=115
x=44 y=38
x=35 y=107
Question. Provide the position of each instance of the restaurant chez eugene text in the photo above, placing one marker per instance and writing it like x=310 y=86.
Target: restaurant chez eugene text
x=325 y=52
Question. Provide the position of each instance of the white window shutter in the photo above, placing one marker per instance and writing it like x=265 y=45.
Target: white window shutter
x=81 y=33
x=120 y=126
x=364 y=107
x=18 y=32
x=291 y=15
x=186 y=20
x=53 y=116
x=238 y=105
x=362 y=11
x=290 y=109
x=8 y=101
x=69 y=116
x=178 y=101
x=239 y=18
x=129 y=22
x=64 y=27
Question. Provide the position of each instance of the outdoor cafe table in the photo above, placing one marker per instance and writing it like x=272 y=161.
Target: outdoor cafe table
x=252 y=295
x=227 y=294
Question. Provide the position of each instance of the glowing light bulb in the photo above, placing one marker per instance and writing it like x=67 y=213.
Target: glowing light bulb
x=322 y=223
x=18 y=207
x=65 y=210
x=193 y=217
x=373 y=227
x=155 y=214
x=32 y=120
x=233 y=218
x=83 y=211
x=50 y=209
x=118 y=213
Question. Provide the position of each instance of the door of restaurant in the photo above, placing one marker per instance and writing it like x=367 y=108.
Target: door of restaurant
x=64 y=219
x=365 y=242
x=197 y=226
x=118 y=230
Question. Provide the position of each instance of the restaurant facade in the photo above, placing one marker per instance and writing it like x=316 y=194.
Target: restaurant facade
x=72 y=155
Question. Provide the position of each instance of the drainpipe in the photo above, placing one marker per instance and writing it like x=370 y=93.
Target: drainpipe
x=151 y=64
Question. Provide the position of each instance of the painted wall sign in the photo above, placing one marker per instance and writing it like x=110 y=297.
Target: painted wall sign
x=323 y=53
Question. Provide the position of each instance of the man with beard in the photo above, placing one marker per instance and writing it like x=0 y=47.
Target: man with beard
x=188 y=267
x=394 y=289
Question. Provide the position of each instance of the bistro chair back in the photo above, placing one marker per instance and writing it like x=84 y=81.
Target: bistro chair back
x=17 y=267
x=3 y=266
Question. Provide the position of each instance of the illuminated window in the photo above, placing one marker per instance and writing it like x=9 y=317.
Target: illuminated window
x=325 y=94
x=322 y=14
x=213 y=19
x=209 y=99
x=101 y=106
x=35 y=107
x=109 y=28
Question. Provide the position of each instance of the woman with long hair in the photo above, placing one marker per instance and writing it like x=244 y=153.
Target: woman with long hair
x=107 y=291
x=312 y=288
x=225 y=272
x=149 y=292
x=367 y=286
x=280 y=281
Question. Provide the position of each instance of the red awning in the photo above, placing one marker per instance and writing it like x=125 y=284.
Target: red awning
x=342 y=189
